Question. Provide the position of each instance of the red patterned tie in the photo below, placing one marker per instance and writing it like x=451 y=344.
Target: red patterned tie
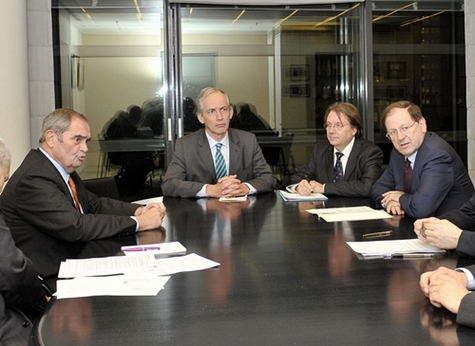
x=72 y=185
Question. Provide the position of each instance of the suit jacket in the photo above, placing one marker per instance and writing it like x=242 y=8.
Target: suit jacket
x=43 y=220
x=440 y=181
x=466 y=314
x=192 y=165
x=464 y=218
x=362 y=169
x=22 y=297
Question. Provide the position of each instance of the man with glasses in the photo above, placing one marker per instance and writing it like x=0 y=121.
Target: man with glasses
x=217 y=161
x=425 y=176
x=345 y=164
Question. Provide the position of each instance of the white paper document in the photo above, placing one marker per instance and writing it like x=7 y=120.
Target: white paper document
x=106 y=266
x=349 y=214
x=117 y=285
x=168 y=266
x=387 y=248
x=295 y=197
x=170 y=248
x=149 y=200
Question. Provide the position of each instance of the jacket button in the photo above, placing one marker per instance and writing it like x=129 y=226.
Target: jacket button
x=26 y=323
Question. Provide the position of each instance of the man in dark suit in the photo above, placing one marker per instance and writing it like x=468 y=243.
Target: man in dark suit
x=450 y=288
x=22 y=298
x=360 y=161
x=425 y=176
x=45 y=215
x=241 y=167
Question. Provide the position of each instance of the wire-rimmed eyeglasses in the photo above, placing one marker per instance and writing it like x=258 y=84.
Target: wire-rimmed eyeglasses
x=337 y=126
x=403 y=129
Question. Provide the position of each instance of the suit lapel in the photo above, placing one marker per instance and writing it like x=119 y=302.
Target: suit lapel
x=204 y=154
x=235 y=152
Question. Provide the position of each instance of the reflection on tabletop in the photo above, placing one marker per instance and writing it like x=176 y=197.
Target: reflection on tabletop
x=74 y=329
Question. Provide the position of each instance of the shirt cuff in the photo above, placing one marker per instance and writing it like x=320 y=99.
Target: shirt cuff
x=470 y=278
x=292 y=188
x=252 y=190
x=202 y=192
x=137 y=222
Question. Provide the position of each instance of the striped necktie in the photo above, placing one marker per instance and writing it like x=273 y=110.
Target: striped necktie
x=219 y=162
x=338 y=169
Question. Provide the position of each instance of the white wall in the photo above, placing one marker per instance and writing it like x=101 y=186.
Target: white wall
x=14 y=93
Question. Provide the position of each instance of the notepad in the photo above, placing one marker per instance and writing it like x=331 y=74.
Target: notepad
x=349 y=214
x=233 y=199
x=386 y=248
x=295 y=197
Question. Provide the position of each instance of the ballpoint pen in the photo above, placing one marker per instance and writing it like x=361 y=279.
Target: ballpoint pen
x=378 y=234
x=409 y=255
x=142 y=248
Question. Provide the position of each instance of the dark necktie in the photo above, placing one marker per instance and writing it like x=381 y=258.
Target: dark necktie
x=219 y=162
x=338 y=169
x=407 y=177
x=72 y=185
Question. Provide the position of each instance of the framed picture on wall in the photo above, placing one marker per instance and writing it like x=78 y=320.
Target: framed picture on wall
x=299 y=72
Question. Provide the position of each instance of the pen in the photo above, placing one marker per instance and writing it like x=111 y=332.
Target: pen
x=378 y=234
x=142 y=248
x=410 y=255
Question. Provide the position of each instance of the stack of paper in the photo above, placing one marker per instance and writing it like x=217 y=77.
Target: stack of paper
x=123 y=275
x=389 y=248
x=295 y=197
x=349 y=214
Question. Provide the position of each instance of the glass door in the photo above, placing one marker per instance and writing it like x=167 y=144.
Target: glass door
x=281 y=66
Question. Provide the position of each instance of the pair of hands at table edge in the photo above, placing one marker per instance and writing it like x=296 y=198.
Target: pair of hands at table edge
x=229 y=186
x=150 y=216
x=445 y=287
x=306 y=187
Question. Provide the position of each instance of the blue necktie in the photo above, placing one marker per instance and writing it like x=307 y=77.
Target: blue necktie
x=338 y=169
x=219 y=162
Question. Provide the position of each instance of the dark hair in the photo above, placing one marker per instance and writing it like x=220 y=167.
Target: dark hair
x=413 y=110
x=350 y=111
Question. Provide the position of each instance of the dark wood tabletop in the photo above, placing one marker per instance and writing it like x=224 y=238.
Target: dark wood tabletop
x=286 y=278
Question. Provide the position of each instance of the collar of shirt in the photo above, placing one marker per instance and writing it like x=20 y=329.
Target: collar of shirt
x=60 y=168
x=412 y=158
x=346 y=153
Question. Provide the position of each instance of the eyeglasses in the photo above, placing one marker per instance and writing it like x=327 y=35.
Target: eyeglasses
x=213 y=111
x=337 y=126
x=403 y=129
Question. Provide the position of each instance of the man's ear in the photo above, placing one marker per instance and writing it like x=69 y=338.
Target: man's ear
x=200 y=118
x=50 y=138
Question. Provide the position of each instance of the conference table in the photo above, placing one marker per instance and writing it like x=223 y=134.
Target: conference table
x=286 y=277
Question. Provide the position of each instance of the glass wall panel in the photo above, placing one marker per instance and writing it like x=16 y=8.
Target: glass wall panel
x=112 y=72
x=419 y=55
x=281 y=67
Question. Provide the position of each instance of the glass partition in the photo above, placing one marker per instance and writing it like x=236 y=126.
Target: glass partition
x=282 y=66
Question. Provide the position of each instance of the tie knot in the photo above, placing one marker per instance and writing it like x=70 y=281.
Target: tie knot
x=339 y=155
x=408 y=162
x=218 y=146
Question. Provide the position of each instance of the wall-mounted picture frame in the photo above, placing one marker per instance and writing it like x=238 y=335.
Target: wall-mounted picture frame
x=299 y=90
x=299 y=72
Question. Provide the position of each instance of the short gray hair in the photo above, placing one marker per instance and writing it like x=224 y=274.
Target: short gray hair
x=5 y=156
x=59 y=121
x=205 y=93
